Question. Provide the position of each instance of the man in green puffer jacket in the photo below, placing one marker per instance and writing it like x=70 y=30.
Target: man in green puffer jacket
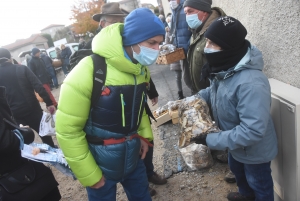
x=119 y=119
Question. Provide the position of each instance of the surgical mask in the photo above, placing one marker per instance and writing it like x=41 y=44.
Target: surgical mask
x=210 y=50
x=173 y=4
x=147 y=56
x=193 y=21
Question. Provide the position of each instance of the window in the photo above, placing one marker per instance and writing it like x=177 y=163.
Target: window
x=75 y=47
x=52 y=54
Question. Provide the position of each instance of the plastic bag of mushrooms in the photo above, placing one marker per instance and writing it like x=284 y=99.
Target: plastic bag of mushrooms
x=195 y=120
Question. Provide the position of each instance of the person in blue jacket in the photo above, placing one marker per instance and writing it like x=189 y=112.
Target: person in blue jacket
x=65 y=58
x=49 y=67
x=180 y=36
x=240 y=98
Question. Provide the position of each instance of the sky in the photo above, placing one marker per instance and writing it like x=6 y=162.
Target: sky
x=19 y=19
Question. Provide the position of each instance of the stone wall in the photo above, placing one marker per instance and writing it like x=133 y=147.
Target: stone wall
x=274 y=27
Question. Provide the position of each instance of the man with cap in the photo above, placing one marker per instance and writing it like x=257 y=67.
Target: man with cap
x=38 y=67
x=20 y=84
x=119 y=121
x=240 y=98
x=110 y=13
x=199 y=16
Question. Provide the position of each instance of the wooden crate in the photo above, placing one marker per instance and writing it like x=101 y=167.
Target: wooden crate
x=162 y=119
x=172 y=57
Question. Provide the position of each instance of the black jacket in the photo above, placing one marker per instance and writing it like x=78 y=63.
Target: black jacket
x=38 y=67
x=66 y=53
x=47 y=60
x=10 y=154
x=20 y=85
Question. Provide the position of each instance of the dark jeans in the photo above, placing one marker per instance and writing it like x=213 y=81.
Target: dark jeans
x=148 y=161
x=135 y=186
x=178 y=76
x=65 y=63
x=33 y=120
x=51 y=71
x=253 y=179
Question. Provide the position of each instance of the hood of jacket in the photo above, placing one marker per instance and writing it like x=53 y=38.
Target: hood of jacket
x=252 y=60
x=108 y=44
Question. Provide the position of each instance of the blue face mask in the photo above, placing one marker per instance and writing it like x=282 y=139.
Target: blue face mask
x=147 y=56
x=193 y=21
x=210 y=50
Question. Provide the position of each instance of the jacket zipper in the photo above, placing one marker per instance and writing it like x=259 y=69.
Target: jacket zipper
x=123 y=109
x=133 y=103
x=138 y=120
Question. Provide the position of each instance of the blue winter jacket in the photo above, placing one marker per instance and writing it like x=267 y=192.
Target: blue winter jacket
x=240 y=99
x=182 y=33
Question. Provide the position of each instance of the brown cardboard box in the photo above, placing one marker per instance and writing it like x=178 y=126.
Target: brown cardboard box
x=162 y=119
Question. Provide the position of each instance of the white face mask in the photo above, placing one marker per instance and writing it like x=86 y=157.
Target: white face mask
x=173 y=4
x=147 y=56
x=210 y=50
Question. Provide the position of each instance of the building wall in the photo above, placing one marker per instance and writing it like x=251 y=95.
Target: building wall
x=166 y=7
x=274 y=27
x=39 y=43
x=16 y=52
x=52 y=30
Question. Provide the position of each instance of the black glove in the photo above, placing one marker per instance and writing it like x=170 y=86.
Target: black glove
x=27 y=134
x=201 y=139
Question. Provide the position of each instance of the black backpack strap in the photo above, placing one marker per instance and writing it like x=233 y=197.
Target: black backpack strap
x=100 y=69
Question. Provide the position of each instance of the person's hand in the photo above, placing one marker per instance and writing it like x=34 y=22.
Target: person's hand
x=201 y=139
x=51 y=109
x=27 y=133
x=144 y=149
x=154 y=101
x=167 y=29
x=99 y=184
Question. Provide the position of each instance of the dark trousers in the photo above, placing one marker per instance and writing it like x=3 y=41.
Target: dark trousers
x=135 y=186
x=33 y=120
x=51 y=71
x=148 y=161
x=253 y=179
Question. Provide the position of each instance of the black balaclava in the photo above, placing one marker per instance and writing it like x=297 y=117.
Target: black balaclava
x=228 y=33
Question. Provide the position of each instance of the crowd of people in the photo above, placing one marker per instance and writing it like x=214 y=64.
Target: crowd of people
x=107 y=138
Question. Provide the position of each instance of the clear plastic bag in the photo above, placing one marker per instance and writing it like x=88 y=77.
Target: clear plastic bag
x=166 y=49
x=47 y=125
x=197 y=156
x=195 y=120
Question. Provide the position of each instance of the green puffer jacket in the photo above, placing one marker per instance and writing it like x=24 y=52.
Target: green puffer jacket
x=196 y=57
x=75 y=101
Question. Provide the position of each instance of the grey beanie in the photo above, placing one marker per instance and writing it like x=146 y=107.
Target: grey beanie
x=203 y=5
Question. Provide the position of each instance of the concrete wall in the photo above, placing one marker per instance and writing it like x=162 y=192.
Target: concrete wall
x=274 y=27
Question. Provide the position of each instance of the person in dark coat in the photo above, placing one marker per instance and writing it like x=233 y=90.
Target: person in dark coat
x=21 y=83
x=48 y=61
x=65 y=58
x=11 y=144
x=38 y=67
x=180 y=35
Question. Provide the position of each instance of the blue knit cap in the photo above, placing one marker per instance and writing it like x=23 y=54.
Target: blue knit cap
x=34 y=51
x=140 y=25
